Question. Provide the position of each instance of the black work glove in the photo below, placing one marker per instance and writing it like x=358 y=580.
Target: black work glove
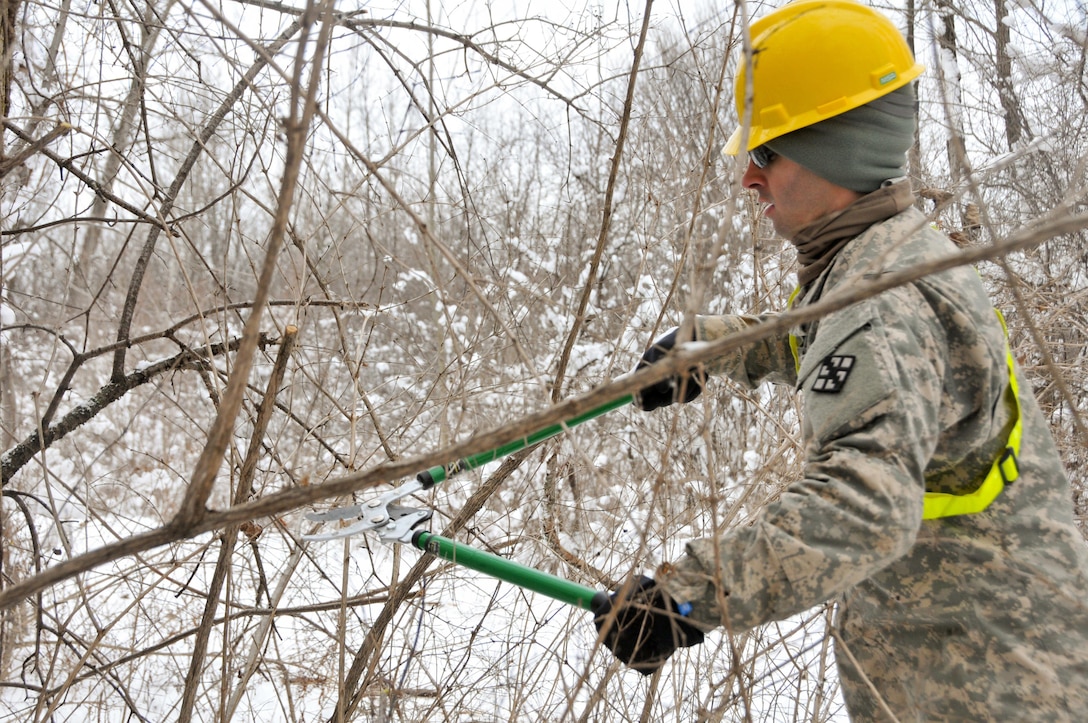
x=679 y=388
x=643 y=626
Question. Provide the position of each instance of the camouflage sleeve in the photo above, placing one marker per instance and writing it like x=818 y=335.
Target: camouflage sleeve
x=767 y=360
x=871 y=400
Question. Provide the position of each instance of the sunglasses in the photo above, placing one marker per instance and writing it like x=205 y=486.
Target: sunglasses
x=761 y=156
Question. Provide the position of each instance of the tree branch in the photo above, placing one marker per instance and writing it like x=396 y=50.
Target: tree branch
x=14 y=459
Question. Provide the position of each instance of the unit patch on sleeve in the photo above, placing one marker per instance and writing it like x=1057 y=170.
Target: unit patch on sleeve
x=832 y=374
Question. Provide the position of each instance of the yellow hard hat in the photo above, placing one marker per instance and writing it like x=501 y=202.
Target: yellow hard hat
x=814 y=59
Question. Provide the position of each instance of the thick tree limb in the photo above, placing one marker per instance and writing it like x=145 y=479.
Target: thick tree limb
x=683 y=358
x=230 y=535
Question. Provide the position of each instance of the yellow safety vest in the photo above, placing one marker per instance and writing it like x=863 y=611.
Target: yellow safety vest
x=1003 y=471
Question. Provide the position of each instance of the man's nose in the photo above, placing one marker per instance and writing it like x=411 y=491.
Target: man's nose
x=753 y=177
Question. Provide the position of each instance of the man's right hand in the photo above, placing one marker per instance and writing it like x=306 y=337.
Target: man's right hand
x=642 y=626
x=678 y=388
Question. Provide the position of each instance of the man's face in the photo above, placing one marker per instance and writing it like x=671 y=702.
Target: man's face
x=794 y=196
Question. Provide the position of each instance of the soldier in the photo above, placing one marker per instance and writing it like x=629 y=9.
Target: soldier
x=933 y=505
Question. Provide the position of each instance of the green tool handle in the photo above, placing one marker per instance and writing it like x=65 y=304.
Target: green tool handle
x=509 y=571
x=439 y=474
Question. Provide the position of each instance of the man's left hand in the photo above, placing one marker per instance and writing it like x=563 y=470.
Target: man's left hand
x=679 y=388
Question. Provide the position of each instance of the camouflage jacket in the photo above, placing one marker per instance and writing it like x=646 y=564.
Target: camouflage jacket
x=974 y=617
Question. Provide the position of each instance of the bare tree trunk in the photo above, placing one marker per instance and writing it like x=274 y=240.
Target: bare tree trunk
x=949 y=76
x=9 y=16
x=1014 y=118
x=914 y=155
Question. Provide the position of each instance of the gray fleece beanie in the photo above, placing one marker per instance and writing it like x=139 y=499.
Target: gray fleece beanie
x=858 y=149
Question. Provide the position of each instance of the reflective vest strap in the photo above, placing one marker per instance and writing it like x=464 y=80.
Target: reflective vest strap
x=1005 y=469
x=795 y=346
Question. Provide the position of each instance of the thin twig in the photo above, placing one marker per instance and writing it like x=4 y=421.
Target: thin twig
x=579 y=320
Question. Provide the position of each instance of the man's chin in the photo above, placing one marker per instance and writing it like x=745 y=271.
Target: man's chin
x=780 y=227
